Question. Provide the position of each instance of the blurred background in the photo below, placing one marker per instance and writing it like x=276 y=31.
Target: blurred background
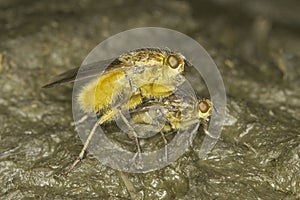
x=256 y=46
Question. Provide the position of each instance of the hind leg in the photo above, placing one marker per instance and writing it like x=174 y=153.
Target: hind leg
x=83 y=150
x=133 y=134
x=106 y=117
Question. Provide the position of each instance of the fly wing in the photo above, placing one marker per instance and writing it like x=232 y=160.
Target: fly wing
x=66 y=77
x=87 y=71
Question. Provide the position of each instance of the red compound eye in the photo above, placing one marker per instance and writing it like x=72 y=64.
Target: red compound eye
x=173 y=61
x=203 y=106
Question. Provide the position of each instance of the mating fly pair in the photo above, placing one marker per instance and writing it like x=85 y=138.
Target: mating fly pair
x=134 y=81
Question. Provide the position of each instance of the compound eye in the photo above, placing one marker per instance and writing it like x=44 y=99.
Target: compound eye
x=203 y=106
x=173 y=61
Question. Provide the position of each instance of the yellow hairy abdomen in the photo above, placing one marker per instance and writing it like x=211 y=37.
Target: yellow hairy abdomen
x=99 y=94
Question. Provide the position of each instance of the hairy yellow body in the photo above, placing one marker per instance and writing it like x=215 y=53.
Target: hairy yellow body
x=173 y=113
x=98 y=94
x=137 y=75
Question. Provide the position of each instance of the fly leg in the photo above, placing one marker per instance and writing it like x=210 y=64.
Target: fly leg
x=83 y=150
x=107 y=116
x=80 y=121
x=208 y=133
x=166 y=148
x=134 y=194
x=138 y=155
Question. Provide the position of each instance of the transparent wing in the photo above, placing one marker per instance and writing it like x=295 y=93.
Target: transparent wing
x=84 y=72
